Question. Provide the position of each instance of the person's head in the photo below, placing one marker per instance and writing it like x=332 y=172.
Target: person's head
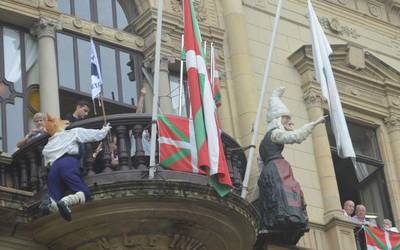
x=348 y=206
x=387 y=224
x=287 y=123
x=360 y=211
x=39 y=120
x=53 y=125
x=81 y=109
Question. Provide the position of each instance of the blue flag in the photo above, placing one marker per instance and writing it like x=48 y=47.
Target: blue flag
x=96 y=79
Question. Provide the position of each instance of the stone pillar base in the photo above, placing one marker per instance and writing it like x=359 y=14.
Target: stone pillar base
x=340 y=233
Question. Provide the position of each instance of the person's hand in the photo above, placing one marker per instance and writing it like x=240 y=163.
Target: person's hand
x=143 y=91
x=107 y=126
x=320 y=120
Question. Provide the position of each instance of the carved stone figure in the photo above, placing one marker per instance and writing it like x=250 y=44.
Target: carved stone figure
x=281 y=202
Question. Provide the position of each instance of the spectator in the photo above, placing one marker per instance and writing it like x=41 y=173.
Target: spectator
x=387 y=225
x=360 y=217
x=348 y=208
x=81 y=112
x=39 y=120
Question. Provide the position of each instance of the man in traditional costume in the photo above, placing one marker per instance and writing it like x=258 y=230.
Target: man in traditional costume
x=61 y=154
x=281 y=200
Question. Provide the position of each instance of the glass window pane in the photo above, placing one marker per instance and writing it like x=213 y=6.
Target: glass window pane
x=84 y=65
x=174 y=86
x=82 y=9
x=364 y=140
x=104 y=12
x=12 y=57
x=129 y=88
x=64 y=6
x=15 y=124
x=108 y=70
x=31 y=52
x=122 y=22
x=66 y=70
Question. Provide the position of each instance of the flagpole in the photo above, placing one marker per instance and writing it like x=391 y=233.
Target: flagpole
x=152 y=168
x=181 y=79
x=261 y=102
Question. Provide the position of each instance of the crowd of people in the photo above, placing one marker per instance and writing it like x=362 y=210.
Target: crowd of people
x=360 y=216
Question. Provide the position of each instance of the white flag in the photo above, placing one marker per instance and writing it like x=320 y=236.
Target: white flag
x=324 y=74
x=97 y=81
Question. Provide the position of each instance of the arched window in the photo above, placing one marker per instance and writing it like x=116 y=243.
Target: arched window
x=19 y=54
x=106 y=12
x=119 y=68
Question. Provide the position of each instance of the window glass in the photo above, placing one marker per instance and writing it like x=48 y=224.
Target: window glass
x=82 y=9
x=64 y=6
x=364 y=140
x=129 y=88
x=31 y=52
x=105 y=12
x=174 y=86
x=65 y=53
x=122 y=22
x=15 y=124
x=108 y=70
x=12 y=57
x=84 y=65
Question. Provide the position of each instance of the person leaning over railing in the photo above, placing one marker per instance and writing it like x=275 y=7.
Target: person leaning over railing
x=38 y=119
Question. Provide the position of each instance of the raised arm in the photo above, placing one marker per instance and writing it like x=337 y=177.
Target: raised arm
x=83 y=135
x=282 y=136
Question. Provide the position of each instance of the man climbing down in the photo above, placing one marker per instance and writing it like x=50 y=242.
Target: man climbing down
x=61 y=154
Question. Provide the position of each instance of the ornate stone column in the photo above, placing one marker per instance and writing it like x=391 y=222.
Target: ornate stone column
x=339 y=229
x=323 y=156
x=165 y=101
x=242 y=84
x=45 y=30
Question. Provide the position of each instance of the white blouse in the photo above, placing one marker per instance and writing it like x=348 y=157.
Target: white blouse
x=282 y=136
x=67 y=142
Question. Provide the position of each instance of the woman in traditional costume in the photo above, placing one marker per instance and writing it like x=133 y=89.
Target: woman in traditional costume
x=61 y=154
x=281 y=201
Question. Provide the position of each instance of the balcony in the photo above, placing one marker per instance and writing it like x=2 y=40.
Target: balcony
x=175 y=210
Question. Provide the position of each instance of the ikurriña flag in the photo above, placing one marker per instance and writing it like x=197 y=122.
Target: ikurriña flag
x=378 y=239
x=207 y=133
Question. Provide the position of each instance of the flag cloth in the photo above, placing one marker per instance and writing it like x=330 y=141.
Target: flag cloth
x=324 y=75
x=207 y=134
x=96 y=79
x=378 y=239
x=177 y=144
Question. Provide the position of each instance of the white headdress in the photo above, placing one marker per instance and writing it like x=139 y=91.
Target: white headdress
x=276 y=107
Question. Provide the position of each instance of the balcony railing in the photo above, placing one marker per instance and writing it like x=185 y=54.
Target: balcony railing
x=27 y=170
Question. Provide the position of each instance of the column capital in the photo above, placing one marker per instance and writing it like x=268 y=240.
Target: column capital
x=312 y=99
x=392 y=122
x=45 y=27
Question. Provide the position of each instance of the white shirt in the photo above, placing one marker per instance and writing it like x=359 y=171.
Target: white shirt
x=66 y=142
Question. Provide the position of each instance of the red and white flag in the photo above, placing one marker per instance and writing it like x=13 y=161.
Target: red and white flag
x=378 y=239
x=207 y=133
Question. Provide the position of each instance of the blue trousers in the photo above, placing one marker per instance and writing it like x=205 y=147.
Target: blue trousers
x=65 y=175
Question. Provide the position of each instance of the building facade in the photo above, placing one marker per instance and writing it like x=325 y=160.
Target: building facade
x=45 y=67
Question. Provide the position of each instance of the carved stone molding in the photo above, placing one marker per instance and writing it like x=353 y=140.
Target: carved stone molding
x=392 y=122
x=146 y=242
x=335 y=26
x=45 y=27
x=312 y=99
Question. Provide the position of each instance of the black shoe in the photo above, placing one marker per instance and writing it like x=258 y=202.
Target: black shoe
x=64 y=210
x=45 y=206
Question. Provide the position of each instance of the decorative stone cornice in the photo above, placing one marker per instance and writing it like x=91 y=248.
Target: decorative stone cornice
x=45 y=27
x=392 y=122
